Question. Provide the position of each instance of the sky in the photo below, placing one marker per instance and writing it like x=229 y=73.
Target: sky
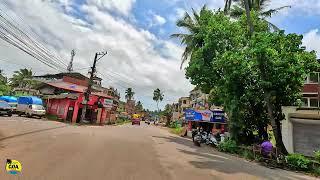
x=136 y=35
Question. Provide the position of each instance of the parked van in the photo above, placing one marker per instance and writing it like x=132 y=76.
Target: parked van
x=30 y=106
x=12 y=101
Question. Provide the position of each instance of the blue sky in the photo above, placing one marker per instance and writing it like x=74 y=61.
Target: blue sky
x=136 y=35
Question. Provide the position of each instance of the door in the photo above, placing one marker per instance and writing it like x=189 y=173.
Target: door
x=306 y=138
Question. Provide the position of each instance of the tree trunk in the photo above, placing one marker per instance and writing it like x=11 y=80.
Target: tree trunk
x=276 y=128
x=246 y=4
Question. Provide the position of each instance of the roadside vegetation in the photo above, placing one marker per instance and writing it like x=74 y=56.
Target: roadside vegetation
x=251 y=68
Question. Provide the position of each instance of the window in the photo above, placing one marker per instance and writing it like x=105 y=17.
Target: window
x=314 y=78
x=184 y=102
x=313 y=102
x=304 y=101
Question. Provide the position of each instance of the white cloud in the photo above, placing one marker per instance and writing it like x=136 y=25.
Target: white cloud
x=155 y=19
x=312 y=41
x=132 y=57
x=159 y=20
x=122 y=6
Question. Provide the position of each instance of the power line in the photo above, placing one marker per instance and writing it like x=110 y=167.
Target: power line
x=13 y=34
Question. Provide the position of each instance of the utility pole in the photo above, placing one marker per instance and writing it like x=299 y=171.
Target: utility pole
x=70 y=66
x=89 y=89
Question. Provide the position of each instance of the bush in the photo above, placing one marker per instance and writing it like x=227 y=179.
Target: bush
x=317 y=155
x=298 y=162
x=316 y=171
x=248 y=154
x=229 y=146
x=177 y=130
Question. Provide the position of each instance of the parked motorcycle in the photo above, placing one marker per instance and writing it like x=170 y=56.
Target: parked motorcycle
x=201 y=137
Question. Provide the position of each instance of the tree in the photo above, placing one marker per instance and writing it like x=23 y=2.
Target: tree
x=191 y=23
x=22 y=79
x=251 y=76
x=168 y=113
x=139 y=106
x=260 y=6
x=129 y=94
x=4 y=86
x=157 y=96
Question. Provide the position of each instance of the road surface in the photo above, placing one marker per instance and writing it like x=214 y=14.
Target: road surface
x=53 y=150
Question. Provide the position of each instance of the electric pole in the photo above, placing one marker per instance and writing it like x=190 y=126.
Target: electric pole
x=89 y=89
x=70 y=66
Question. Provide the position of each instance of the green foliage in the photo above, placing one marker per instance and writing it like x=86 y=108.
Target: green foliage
x=129 y=94
x=139 y=106
x=248 y=154
x=177 y=130
x=298 y=162
x=22 y=79
x=316 y=171
x=229 y=146
x=317 y=155
x=157 y=96
x=245 y=74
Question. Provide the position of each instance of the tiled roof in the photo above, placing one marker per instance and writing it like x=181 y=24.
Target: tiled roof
x=75 y=88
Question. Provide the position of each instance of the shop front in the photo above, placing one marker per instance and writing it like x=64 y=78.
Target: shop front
x=68 y=107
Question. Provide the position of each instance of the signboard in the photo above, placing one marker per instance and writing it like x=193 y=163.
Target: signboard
x=108 y=103
x=206 y=115
x=216 y=116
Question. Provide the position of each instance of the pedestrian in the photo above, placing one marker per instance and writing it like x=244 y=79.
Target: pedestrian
x=266 y=148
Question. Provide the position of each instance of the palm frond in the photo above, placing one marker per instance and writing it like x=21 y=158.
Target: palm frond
x=236 y=11
x=273 y=26
x=270 y=12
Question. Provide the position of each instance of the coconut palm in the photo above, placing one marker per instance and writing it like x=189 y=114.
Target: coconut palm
x=157 y=96
x=139 y=106
x=3 y=79
x=129 y=94
x=191 y=23
x=259 y=6
x=22 y=78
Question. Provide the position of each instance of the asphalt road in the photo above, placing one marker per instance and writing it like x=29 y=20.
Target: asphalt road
x=53 y=150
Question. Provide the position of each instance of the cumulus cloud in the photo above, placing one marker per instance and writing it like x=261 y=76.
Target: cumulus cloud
x=312 y=41
x=155 y=19
x=135 y=56
x=122 y=6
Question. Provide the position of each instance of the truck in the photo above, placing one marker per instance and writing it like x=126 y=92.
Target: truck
x=30 y=106
x=136 y=118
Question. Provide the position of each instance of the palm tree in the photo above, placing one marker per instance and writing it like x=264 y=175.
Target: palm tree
x=259 y=6
x=192 y=23
x=129 y=94
x=157 y=96
x=22 y=78
x=139 y=106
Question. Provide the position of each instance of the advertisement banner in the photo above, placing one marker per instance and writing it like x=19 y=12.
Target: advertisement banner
x=108 y=103
x=216 y=116
x=206 y=115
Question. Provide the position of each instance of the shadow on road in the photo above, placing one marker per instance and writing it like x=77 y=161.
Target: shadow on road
x=228 y=164
x=26 y=133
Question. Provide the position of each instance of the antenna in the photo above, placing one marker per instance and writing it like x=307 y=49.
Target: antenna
x=70 y=66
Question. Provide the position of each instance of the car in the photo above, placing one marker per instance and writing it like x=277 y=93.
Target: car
x=5 y=109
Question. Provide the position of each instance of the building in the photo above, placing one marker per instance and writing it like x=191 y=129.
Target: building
x=310 y=92
x=64 y=97
x=300 y=130
x=199 y=100
x=184 y=103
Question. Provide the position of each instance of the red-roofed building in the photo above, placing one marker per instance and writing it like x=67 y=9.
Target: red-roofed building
x=64 y=96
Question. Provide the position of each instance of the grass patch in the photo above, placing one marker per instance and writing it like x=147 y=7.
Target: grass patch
x=122 y=121
x=176 y=130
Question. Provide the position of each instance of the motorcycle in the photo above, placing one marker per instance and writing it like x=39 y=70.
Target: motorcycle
x=201 y=137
